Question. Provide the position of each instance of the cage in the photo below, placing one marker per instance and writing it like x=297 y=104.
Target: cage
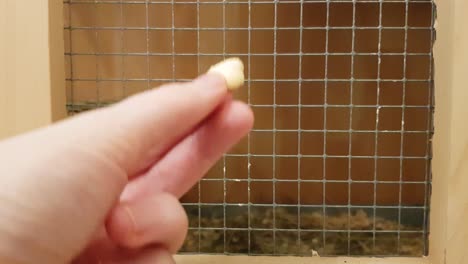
x=339 y=162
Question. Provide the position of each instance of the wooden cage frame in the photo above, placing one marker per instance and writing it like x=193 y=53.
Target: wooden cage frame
x=32 y=95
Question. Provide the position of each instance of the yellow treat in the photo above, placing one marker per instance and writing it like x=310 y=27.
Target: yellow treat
x=233 y=71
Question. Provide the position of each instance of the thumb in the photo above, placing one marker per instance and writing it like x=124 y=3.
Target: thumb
x=59 y=183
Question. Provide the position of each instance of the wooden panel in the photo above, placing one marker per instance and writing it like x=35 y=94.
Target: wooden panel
x=31 y=65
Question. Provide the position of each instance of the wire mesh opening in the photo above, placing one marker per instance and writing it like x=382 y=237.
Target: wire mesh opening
x=338 y=162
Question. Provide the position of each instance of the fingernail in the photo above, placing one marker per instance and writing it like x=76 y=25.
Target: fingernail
x=122 y=227
x=136 y=219
x=159 y=220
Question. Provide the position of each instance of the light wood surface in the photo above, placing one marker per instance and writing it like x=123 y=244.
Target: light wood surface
x=450 y=198
x=32 y=85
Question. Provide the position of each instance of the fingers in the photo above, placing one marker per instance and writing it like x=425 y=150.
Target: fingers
x=136 y=131
x=158 y=220
x=77 y=169
x=147 y=231
x=151 y=123
x=187 y=162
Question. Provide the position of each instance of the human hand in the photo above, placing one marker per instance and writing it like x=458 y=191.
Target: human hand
x=103 y=187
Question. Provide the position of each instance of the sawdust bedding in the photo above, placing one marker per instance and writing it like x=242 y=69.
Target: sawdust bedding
x=359 y=241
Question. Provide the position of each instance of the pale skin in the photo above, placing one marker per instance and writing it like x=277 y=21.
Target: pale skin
x=103 y=187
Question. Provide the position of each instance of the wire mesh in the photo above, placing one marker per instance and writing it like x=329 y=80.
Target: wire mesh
x=338 y=162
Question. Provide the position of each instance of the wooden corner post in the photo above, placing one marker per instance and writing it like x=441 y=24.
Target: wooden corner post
x=449 y=207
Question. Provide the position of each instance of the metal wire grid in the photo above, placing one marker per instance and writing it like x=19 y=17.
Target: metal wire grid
x=302 y=156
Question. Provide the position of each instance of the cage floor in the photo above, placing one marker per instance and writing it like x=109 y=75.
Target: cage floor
x=381 y=237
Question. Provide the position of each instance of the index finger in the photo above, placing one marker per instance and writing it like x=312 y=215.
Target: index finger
x=134 y=133
x=189 y=160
